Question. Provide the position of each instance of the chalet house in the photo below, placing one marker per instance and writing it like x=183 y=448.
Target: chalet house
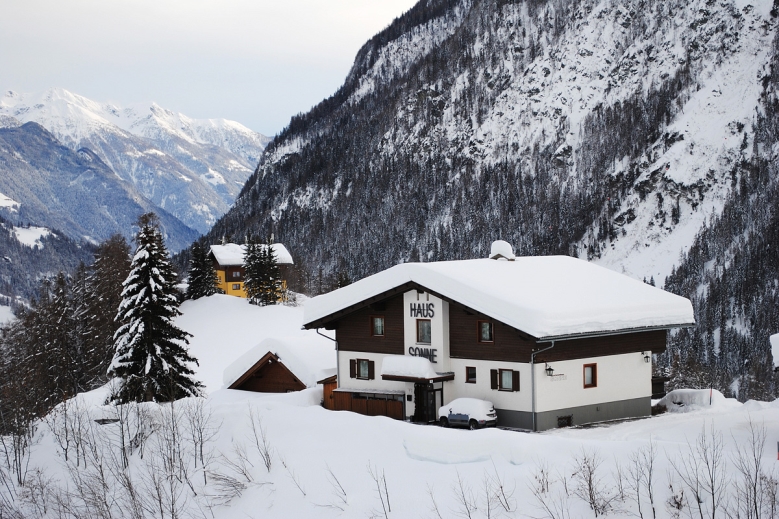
x=281 y=365
x=551 y=341
x=228 y=263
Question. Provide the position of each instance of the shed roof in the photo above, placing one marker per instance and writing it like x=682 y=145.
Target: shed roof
x=547 y=297
x=309 y=357
x=231 y=254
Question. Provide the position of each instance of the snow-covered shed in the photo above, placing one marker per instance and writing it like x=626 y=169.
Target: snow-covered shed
x=549 y=340
x=280 y=365
x=228 y=263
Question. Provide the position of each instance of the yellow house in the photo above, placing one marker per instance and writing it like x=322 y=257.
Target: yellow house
x=228 y=263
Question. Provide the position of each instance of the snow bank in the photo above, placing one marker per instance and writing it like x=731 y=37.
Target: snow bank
x=685 y=400
x=407 y=366
x=547 y=296
x=310 y=357
x=775 y=349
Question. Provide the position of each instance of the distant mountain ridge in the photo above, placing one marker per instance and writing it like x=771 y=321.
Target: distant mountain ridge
x=192 y=168
x=74 y=192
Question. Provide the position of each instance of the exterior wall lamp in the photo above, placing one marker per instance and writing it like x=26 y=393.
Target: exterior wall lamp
x=549 y=370
x=647 y=356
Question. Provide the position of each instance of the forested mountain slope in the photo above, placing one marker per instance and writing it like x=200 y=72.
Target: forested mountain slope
x=609 y=130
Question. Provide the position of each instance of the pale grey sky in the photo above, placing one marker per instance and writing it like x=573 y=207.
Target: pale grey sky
x=254 y=61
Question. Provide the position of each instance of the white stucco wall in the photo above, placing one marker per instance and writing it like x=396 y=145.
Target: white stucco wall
x=365 y=385
x=439 y=324
x=620 y=377
x=516 y=401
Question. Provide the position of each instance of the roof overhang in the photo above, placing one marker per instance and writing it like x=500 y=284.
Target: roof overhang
x=441 y=377
x=266 y=359
x=555 y=338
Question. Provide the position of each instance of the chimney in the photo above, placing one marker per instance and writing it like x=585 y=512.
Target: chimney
x=502 y=250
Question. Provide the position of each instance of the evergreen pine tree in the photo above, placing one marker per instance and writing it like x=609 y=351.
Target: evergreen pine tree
x=151 y=357
x=202 y=276
x=254 y=271
x=110 y=269
x=271 y=286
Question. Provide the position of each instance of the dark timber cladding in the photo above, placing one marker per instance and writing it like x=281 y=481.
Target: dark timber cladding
x=511 y=345
x=353 y=332
x=268 y=375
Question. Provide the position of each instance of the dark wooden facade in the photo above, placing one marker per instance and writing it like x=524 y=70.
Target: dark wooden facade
x=328 y=386
x=380 y=405
x=268 y=375
x=354 y=330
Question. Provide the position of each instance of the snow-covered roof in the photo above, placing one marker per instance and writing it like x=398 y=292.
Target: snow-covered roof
x=775 y=349
x=544 y=296
x=407 y=366
x=231 y=254
x=309 y=357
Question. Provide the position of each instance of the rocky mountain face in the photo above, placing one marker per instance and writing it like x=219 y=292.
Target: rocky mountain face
x=47 y=184
x=624 y=132
x=191 y=168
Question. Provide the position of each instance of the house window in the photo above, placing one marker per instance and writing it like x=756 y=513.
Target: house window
x=423 y=331
x=362 y=368
x=236 y=274
x=504 y=379
x=470 y=375
x=377 y=325
x=236 y=286
x=485 y=331
x=590 y=375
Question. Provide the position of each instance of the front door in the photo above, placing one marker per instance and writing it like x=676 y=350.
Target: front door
x=425 y=403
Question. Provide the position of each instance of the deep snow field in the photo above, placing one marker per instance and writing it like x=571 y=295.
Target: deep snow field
x=321 y=462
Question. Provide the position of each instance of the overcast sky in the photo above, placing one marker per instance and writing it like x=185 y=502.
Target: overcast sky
x=254 y=61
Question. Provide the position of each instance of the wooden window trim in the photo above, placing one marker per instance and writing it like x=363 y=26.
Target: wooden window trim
x=384 y=326
x=431 y=331
x=468 y=380
x=594 y=367
x=478 y=331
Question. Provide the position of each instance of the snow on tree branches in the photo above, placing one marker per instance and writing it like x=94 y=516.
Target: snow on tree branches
x=202 y=276
x=150 y=351
x=263 y=276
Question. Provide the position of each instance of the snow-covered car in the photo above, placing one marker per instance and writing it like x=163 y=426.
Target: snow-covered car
x=468 y=412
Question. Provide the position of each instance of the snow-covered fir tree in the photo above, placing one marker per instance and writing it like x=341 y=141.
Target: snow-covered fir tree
x=151 y=356
x=254 y=267
x=263 y=276
x=202 y=276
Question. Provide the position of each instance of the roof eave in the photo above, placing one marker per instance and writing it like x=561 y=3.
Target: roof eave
x=621 y=331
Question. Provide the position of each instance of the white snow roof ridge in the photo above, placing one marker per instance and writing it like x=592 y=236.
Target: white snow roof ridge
x=232 y=254
x=544 y=296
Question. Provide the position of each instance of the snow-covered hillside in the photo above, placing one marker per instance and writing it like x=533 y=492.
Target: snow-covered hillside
x=283 y=455
x=193 y=168
x=226 y=327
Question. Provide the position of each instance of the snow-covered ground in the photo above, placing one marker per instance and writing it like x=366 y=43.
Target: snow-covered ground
x=31 y=236
x=5 y=201
x=6 y=314
x=322 y=463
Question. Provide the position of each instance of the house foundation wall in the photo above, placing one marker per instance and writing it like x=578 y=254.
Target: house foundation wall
x=631 y=408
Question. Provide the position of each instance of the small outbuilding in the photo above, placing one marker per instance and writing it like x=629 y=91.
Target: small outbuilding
x=281 y=365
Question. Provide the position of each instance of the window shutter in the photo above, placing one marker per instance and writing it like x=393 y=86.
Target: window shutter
x=494 y=378
x=352 y=368
x=515 y=380
x=371 y=371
